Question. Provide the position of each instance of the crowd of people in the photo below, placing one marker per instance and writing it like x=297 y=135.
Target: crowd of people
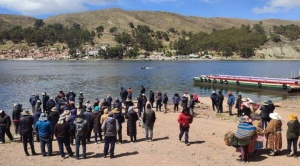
x=72 y=124
x=257 y=128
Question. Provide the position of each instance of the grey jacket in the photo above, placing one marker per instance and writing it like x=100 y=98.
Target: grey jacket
x=110 y=127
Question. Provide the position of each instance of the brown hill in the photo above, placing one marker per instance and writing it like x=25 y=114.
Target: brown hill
x=155 y=20
x=7 y=21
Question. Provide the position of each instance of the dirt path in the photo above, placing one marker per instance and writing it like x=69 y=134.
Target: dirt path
x=206 y=138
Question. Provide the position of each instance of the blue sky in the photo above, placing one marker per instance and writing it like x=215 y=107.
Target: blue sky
x=248 y=9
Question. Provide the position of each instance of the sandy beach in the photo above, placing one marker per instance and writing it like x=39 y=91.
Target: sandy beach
x=206 y=138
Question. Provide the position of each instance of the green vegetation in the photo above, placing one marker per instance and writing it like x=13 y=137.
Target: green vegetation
x=137 y=39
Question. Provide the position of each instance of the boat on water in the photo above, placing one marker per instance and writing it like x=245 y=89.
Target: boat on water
x=290 y=85
x=146 y=67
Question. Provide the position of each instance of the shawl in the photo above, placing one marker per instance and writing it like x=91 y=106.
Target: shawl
x=273 y=126
x=245 y=131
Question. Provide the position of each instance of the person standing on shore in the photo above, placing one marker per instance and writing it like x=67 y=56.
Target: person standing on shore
x=62 y=134
x=238 y=105
x=176 y=100
x=220 y=99
x=192 y=105
x=140 y=101
x=128 y=103
x=53 y=117
x=123 y=94
x=151 y=98
x=158 y=101
x=80 y=135
x=292 y=134
x=16 y=115
x=80 y=100
x=26 y=131
x=165 y=102
x=36 y=117
x=45 y=129
x=96 y=114
x=273 y=134
x=129 y=91
x=131 y=117
x=45 y=99
x=149 y=120
x=184 y=101
x=109 y=101
x=264 y=114
x=96 y=103
x=49 y=105
x=87 y=115
x=143 y=90
x=70 y=120
x=184 y=120
x=110 y=128
x=120 y=118
x=230 y=103
x=118 y=104
x=5 y=123
x=214 y=98
x=32 y=101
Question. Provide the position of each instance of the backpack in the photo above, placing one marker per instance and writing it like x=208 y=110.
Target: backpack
x=80 y=131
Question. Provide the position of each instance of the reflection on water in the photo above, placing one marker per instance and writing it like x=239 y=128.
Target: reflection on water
x=19 y=79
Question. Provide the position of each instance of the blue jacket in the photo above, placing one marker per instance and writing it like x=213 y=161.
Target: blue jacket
x=192 y=103
x=176 y=99
x=230 y=100
x=71 y=119
x=44 y=128
x=36 y=116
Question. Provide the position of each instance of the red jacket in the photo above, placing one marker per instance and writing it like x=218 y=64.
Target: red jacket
x=185 y=120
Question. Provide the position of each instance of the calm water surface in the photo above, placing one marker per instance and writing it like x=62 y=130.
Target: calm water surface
x=19 y=79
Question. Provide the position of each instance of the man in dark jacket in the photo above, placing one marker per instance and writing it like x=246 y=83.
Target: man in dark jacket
x=264 y=114
x=165 y=100
x=16 y=115
x=109 y=101
x=148 y=120
x=110 y=127
x=5 y=123
x=143 y=90
x=230 y=102
x=26 y=131
x=45 y=99
x=214 y=98
x=192 y=105
x=238 y=105
x=271 y=106
x=140 y=101
x=62 y=133
x=32 y=101
x=87 y=115
x=220 y=100
x=70 y=120
x=71 y=96
x=49 y=105
x=120 y=118
x=151 y=98
x=118 y=104
x=123 y=94
x=53 y=117
x=45 y=129
x=80 y=100
x=36 y=117
x=80 y=135
x=128 y=103
x=176 y=99
x=158 y=101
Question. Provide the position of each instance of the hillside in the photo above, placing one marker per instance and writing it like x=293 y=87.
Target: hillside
x=155 y=20
x=8 y=21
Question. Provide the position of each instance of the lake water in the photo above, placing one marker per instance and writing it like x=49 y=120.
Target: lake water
x=19 y=79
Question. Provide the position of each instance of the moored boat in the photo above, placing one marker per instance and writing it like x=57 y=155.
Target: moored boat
x=257 y=82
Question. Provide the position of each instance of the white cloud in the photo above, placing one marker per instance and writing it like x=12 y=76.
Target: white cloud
x=41 y=7
x=274 y=6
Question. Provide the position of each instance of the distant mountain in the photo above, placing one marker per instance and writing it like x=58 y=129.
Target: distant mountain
x=156 y=20
x=8 y=21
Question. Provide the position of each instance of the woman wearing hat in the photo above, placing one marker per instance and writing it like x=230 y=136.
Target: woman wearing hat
x=273 y=134
x=258 y=137
x=264 y=114
x=292 y=134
